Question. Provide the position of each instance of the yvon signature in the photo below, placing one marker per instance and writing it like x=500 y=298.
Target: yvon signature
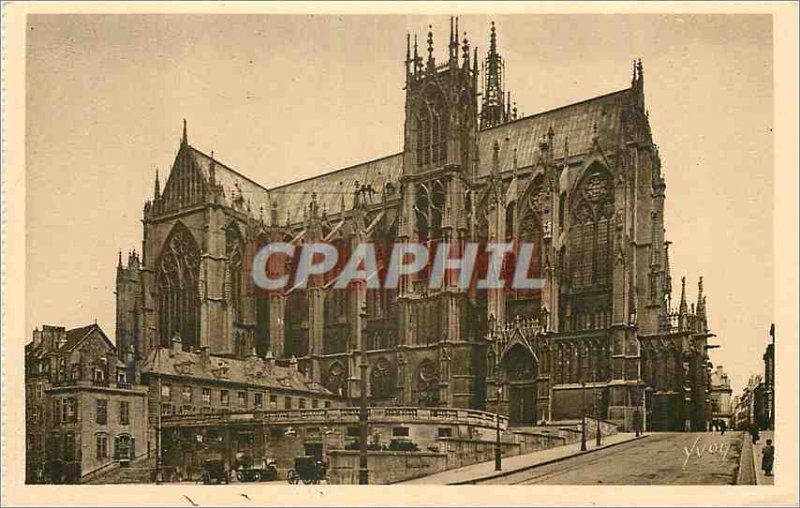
x=721 y=449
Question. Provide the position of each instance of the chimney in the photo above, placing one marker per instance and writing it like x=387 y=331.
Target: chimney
x=205 y=355
x=270 y=359
x=177 y=343
x=37 y=338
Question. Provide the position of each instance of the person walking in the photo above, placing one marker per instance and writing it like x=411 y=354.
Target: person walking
x=754 y=433
x=767 y=458
x=722 y=427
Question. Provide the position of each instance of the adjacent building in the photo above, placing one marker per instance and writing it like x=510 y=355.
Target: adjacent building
x=83 y=414
x=583 y=183
x=721 y=392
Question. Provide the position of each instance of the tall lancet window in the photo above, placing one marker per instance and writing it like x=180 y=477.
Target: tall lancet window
x=178 y=295
x=233 y=250
x=590 y=229
x=432 y=129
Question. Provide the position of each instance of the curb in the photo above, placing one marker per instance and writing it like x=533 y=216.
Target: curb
x=551 y=461
x=747 y=472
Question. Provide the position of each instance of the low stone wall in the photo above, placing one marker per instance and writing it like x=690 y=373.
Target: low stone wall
x=384 y=467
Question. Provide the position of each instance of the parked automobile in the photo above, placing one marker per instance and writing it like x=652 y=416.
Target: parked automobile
x=266 y=470
x=214 y=470
x=308 y=470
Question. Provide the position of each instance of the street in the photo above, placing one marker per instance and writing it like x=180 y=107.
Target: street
x=660 y=459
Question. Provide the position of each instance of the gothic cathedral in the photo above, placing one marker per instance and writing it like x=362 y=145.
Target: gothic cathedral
x=583 y=183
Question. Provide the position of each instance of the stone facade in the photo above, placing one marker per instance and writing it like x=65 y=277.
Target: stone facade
x=721 y=403
x=82 y=413
x=583 y=183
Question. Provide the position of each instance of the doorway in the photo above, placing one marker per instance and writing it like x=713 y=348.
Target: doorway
x=521 y=371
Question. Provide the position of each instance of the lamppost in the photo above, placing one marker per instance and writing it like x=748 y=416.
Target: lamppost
x=583 y=416
x=597 y=435
x=498 y=454
x=363 y=472
x=158 y=416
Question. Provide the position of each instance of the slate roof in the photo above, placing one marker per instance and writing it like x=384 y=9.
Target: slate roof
x=573 y=122
x=250 y=371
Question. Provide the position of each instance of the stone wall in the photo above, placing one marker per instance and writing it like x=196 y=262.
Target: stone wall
x=384 y=467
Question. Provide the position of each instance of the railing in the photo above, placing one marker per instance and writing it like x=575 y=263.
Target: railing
x=675 y=321
x=288 y=416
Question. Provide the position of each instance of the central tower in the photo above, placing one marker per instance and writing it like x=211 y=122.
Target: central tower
x=439 y=163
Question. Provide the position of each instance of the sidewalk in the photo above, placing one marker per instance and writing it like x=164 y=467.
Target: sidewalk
x=485 y=470
x=761 y=479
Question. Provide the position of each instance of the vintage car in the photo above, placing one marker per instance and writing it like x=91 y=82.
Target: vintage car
x=214 y=470
x=260 y=471
x=306 y=469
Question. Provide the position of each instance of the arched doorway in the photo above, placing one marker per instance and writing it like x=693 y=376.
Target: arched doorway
x=521 y=370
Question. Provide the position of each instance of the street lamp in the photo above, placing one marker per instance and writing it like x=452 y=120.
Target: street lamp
x=363 y=472
x=498 y=456
x=583 y=416
x=597 y=435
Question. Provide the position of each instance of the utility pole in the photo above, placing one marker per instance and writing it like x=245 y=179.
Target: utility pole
x=498 y=453
x=363 y=471
x=583 y=416
x=597 y=437
x=158 y=417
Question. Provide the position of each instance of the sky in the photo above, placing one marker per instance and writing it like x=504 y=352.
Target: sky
x=285 y=97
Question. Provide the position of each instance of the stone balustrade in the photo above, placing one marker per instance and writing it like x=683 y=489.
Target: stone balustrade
x=344 y=415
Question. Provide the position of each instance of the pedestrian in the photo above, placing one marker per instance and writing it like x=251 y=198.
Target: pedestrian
x=722 y=427
x=767 y=458
x=754 y=433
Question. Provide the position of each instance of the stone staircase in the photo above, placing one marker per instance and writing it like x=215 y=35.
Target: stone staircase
x=139 y=471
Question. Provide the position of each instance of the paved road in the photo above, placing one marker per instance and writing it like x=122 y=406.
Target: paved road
x=660 y=459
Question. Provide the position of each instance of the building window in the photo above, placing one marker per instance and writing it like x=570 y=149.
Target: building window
x=69 y=446
x=314 y=403
x=243 y=399
x=75 y=371
x=399 y=431
x=223 y=397
x=39 y=391
x=206 y=396
x=124 y=447
x=166 y=391
x=302 y=403
x=102 y=412
x=167 y=409
x=258 y=400
x=177 y=300
x=327 y=403
x=353 y=432
x=101 y=446
x=445 y=432
x=287 y=403
x=273 y=402
x=69 y=409
x=187 y=394
x=124 y=412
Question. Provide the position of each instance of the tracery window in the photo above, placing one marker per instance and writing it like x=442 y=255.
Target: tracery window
x=590 y=230
x=383 y=380
x=428 y=208
x=432 y=130
x=428 y=384
x=178 y=295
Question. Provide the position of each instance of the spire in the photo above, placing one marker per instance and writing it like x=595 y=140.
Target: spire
x=493 y=109
x=683 y=307
x=119 y=260
x=157 y=187
x=465 y=51
x=701 y=300
x=408 y=57
x=185 y=139
x=667 y=275
x=416 y=55
x=431 y=60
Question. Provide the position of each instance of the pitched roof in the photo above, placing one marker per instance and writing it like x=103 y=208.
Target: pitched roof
x=76 y=336
x=332 y=187
x=250 y=371
x=573 y=123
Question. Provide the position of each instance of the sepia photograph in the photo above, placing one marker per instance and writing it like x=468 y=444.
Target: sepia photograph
x=284 y=252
